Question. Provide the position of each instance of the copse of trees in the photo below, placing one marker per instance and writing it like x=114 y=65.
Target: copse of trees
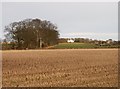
x=31 y=33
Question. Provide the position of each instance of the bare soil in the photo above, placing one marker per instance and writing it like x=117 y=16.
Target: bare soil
x=60 y=68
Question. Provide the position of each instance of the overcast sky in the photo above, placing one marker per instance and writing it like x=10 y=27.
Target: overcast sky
x=74 y=19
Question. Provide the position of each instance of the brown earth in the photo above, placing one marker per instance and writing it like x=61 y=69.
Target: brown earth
x=60 y=67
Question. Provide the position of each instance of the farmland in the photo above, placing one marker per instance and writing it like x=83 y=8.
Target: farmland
x=73 y=45
x=60 y=67
x=81 y=46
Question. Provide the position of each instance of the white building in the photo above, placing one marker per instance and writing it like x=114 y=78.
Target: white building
x=109 y=41
x=70 y=41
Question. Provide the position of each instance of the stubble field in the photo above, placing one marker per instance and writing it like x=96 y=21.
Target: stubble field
x=60 y=68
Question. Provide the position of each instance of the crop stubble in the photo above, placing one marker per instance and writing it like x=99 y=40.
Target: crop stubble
x=61 y=67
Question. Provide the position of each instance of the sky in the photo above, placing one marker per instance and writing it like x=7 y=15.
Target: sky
x=94 y=20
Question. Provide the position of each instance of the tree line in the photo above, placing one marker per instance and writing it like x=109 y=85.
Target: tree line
x=31 y=33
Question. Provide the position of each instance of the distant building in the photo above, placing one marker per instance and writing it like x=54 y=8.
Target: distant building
x=70 y=41
x=109 y=41
x=96 y=42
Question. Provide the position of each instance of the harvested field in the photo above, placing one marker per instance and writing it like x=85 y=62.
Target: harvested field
x=61 y=67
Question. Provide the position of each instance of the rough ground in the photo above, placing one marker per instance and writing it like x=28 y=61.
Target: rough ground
x=61 y=67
